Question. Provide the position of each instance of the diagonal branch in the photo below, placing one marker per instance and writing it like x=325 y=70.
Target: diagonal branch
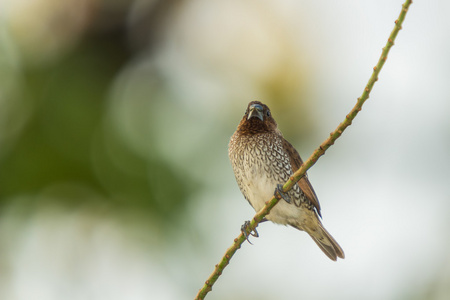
x=311 y=160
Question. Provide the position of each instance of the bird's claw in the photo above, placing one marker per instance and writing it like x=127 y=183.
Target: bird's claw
x=244 y=229
x=279 y=191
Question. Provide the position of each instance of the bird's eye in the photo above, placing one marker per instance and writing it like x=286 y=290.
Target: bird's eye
x=268 y=113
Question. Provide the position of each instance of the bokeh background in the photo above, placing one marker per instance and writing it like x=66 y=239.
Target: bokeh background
x=114 y=122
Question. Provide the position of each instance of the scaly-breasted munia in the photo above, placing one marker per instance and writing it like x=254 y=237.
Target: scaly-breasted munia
x=262 y=161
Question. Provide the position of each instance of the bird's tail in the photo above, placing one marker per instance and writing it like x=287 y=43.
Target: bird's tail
x=325 y=241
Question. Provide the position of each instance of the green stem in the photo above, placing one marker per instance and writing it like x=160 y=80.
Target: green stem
x=311 y=160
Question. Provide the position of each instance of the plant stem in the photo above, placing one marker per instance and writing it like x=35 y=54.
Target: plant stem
x=311 y=160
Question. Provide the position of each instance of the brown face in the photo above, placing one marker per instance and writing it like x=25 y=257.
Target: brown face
x=257 y=119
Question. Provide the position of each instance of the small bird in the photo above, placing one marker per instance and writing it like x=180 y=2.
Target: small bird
x=262 y=161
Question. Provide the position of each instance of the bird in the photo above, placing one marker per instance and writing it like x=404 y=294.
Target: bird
x=262 y=161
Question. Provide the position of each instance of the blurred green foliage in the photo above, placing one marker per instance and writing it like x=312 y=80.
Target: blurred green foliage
x=63 y=139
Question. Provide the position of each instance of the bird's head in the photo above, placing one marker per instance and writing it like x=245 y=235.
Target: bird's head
x=257 y=119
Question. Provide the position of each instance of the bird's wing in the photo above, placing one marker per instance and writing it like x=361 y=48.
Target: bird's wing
x=303 y=183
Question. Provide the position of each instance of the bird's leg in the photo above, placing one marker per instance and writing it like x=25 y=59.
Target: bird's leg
x=244 y=231
x=279 y=191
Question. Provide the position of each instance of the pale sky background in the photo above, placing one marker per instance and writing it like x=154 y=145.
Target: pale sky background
x=383 y=187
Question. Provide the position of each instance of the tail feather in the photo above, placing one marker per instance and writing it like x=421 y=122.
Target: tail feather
x=325 y=241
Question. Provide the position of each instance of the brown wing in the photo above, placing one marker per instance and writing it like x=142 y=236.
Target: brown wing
x=303 y=183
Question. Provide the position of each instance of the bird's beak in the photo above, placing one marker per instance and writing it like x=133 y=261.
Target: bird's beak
x=255 y=110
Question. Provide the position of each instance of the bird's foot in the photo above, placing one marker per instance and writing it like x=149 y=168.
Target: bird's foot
x=279 y=191
x=244 y=229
